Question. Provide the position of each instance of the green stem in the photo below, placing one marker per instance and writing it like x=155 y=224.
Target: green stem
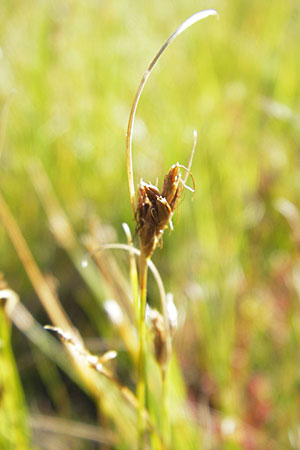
x=141 y=385
x=165 y=410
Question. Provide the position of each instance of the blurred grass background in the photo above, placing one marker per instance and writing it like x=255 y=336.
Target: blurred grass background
x=68 y=74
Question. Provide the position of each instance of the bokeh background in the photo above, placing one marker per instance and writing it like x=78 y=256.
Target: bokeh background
x=68 y=74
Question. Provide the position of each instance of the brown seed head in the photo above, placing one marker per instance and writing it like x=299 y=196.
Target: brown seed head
x=173 y=186
x=155 y=209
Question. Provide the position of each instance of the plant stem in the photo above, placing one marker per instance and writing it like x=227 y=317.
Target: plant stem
x=133 y=272
x=48 y=299
x=141 y=384
x=165 y=410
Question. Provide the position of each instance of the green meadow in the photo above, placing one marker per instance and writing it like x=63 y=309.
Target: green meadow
x=69 y=71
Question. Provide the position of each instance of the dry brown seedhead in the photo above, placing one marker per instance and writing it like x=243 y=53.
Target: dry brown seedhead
x=155 y=209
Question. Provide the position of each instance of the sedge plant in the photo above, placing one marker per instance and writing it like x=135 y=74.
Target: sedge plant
x=153 y=213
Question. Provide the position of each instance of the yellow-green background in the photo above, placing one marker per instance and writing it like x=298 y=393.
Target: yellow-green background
x=70 y=70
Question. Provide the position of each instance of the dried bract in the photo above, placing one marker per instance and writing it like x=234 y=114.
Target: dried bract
x=156 y=322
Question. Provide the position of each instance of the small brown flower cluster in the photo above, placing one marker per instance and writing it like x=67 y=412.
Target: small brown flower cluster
x=155 y=209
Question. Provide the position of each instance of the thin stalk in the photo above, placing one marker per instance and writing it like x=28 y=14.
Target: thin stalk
x=66 y=238
x=186 y=24
x=164 y=368
x=75 y=429
x=188 y=172
x=141 y=384
x=48 y=299
x=165 y=410
x=26 y=323
x=151 y=266
x=133 y=272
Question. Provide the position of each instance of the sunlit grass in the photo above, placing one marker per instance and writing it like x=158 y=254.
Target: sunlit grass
x=14 y=428
x=232 y=261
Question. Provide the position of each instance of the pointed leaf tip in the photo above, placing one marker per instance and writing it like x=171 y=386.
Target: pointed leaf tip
x=195 y=18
